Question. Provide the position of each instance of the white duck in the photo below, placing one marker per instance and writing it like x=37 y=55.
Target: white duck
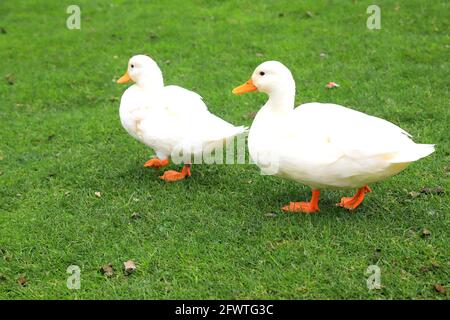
x=168 y=118
x=322 y=145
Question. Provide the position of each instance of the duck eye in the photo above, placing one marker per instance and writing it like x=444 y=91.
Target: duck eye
x=262 y=73
x=132 y=65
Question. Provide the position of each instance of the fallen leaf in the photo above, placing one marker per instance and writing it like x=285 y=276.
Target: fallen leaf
x=270 y=215
x=10 y=79
x=309 y=14
x=98 y=194
x=129 y=267
x=323 y=55
x=447 y=168
x=135 y=216
x=439 y=288
x=107 y=270
x=424 y=270
x=414 y=194
x=435 y=190
x=331 y=85
x=435 y=265
x=22 y=281
x=426 y=232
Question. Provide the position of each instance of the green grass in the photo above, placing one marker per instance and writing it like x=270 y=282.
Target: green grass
x=209 y=236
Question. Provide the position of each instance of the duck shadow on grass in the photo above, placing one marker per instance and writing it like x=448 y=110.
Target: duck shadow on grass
x=204 y=177
x=263 y=194
x=276 y=193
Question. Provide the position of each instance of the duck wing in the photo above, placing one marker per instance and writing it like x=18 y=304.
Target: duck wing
x=183 y=119
x=336 y=131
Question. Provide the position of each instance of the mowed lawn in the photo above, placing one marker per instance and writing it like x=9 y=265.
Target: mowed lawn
x=221 y=233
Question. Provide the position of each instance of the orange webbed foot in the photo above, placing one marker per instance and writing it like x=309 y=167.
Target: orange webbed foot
x=305 y=207
x=352 y=203
x=172 y=175
x=156 y=163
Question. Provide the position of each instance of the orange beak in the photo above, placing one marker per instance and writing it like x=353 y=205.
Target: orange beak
x=125 y=78
x=246 y=87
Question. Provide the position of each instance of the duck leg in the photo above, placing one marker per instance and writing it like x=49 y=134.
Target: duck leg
x=305 y=207
x=172 y=175
x=156 y=163
x=352 y=202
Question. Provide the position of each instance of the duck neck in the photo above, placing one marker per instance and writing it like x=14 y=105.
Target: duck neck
x=282 y=99
x=151 y=83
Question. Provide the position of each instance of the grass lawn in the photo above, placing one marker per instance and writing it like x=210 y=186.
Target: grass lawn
x=210 y=236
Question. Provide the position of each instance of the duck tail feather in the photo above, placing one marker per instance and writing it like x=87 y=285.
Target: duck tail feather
x=414 y=153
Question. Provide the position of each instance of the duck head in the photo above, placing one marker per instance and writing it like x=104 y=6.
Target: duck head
x=274 y=79
x=144 y=71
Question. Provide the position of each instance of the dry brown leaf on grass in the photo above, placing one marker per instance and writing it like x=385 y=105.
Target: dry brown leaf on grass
x=10 y=79
x=414 y=194
x=135 y=216
x=129 y=267
x=22 y=281
x=426 y=232
x=439 y=288
x=107 y=270
x=435 y=190
x=152 y=36
x=435 y=265
x=424 y=270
